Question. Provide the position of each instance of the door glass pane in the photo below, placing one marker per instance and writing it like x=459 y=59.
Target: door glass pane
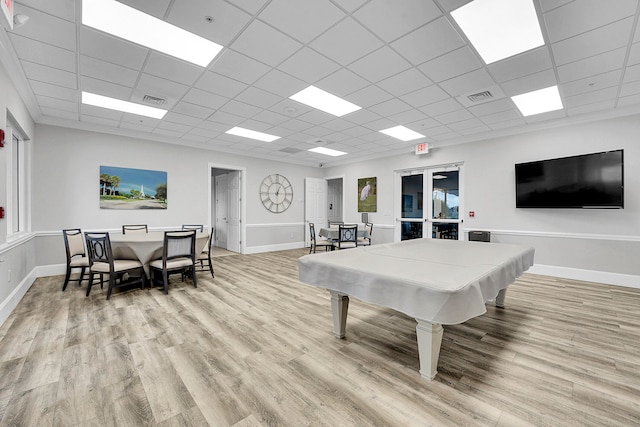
x=444 y=230
x=412 y=196
x=411 y=230
x=445 y=195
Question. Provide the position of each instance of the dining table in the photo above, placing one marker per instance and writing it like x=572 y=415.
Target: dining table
x=146 y=247
x=333 y=232
x=437 y=282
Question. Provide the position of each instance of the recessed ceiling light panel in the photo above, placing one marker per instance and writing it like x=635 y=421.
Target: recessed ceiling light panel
x=252 y=134
x=538 y=101
x=499 y=29
x=120 y=105
x=324 y=101
x=402 y=133
x=327 y=151
x=130 y=24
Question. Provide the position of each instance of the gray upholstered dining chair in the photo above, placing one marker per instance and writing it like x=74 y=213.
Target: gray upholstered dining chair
x=76 y=255
x=178 y=256
x=315 y=242
x=103 y=263
x=347 y=236
x=135 y=228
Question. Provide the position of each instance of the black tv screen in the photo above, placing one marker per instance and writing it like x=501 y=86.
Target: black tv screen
x=586 y=181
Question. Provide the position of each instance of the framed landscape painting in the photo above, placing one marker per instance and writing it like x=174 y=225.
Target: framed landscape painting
x=368 y=194
x=125 y=188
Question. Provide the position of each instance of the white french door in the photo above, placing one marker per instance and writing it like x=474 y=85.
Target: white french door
x=430 y=203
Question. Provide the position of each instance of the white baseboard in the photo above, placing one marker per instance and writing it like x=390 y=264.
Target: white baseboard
x=271 y=248
x=605 y=277
x=51 y=270
x=7 y=306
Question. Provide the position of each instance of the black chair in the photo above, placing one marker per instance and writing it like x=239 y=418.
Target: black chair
x=347 y=236
x=76 y=255
x=318 y=242
x=178 y=256
x=479 y=236
x=197 y=227
x=135 y=228
x=102 y=262
x=204 y=257
x=366 y=239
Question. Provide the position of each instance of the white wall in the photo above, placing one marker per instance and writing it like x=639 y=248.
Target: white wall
x=66 y=172
x=587 y=239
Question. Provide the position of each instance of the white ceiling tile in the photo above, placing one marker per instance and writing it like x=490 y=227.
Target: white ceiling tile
x=452 y=64
x=346 y=42
x=308 y=65
x=547 y=5
x=392 y=19
x=303 y=20
x=630 y=88
x=221 y=85
x=590 y=108
x=265 y=44
x=42 y=53
x=53 y=91
x=196 y=138
x=469 y=82
x=65 y=9
x=258 y=97
x=104 y=113
x=182 y=119
x=227 y=19
x=508 y=124
x=597 y=82
x=140 y=120
x=43 y=73
x=390 y=107
x=157 y=8
x=463 y=125
x=226 y=118
x=634 y=53
x=491 y=107
x=428 y=42
x=176 y=127
x=316 y=117
x=270 y=117
x=239 y=67
x=111 y=49
x=99 y=121
x=408 y=116
x=424 y=96
x=593 y=42
x=240 y=109
x=168 y=133
x=107 y=71
x=136 y=127
x=290 y=108
x=590 y=97
x=632 y=73
x=521 y=65
x=46 y=102
x=608 y=61
x=192 y=110
x=170 y=68
x=626 y=101
x=363 y=116
x=277 y=82
x=54 y=112
x=368 y=96
x=581 y=16
x=502 y=116
x=376 y=126
x=379 y=65
x=205 y=99
x=530 y=83
x=342 y=83
x=454 y=116
x=405 y=82
x=441 y=107
x=250 y=6
x=47 y=28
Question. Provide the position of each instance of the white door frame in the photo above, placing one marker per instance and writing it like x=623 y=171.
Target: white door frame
x=243 y=198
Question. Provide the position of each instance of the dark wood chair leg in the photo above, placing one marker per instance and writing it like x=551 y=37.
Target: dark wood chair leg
x=66 y=278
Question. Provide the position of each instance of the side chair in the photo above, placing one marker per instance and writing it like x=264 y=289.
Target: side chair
x=103 y=263
x=134 y=228
x=347 y=236
x=178 y=256
x=76 y=255
x=315 y=242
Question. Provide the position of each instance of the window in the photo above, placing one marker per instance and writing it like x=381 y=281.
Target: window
x=17 y=215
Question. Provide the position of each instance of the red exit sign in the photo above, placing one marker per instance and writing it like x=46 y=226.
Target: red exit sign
x=422 y=148
x=7 y=12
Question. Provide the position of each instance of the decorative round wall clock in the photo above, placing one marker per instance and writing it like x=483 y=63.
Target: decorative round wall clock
x=276 y=193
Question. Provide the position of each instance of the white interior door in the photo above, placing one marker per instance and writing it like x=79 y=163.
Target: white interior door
x=222 y=197
x=315 y=203
x=233 y=218
x=334 y=200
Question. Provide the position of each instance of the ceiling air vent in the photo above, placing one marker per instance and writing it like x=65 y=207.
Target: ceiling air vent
x=480 y=96
x=153 y=100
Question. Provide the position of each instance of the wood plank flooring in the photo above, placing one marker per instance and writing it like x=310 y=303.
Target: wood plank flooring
x=254 y=347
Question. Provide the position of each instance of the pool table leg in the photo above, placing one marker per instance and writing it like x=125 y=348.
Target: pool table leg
x=339 y=307
x=429 y=341
x=500 y=298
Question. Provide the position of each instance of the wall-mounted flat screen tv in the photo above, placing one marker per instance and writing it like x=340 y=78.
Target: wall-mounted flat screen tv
x=586 y=181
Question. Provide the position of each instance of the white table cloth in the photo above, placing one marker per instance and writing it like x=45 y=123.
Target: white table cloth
x=435 y=281
x=146 y=247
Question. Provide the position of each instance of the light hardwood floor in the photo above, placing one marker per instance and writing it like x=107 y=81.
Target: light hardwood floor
x=254 y=347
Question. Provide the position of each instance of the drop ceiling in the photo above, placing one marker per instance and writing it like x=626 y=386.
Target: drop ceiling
x=405 y=62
